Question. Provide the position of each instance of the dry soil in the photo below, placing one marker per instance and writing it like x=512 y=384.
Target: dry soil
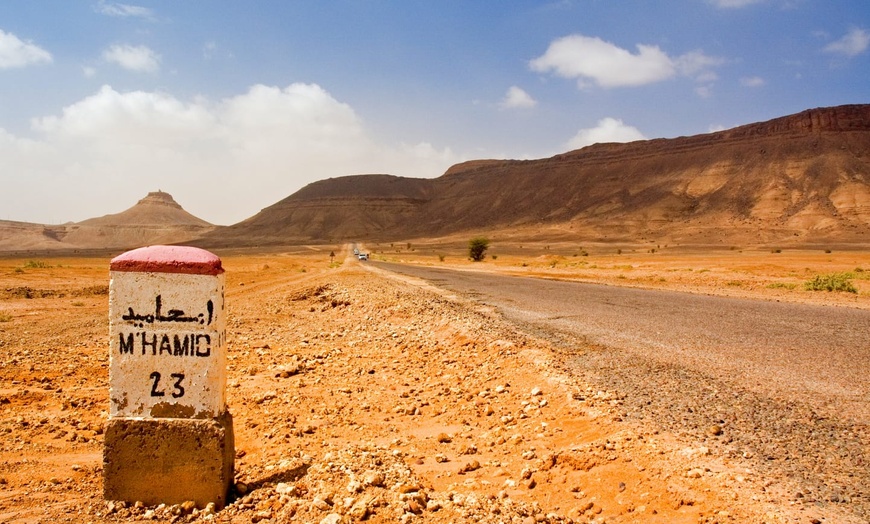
x=358 y=396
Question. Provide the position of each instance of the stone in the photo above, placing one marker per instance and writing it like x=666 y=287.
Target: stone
x=167 y=334
x=332 y=518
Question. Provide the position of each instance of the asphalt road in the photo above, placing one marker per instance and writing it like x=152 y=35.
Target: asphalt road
x=786 y=385
x=787 y=350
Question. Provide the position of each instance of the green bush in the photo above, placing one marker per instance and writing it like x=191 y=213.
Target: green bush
x=831 y=282
x=477 y=248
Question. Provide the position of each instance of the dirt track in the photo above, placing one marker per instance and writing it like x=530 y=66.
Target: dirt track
x=358 y=396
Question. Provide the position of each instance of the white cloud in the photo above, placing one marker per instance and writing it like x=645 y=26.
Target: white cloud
x=16 y=53
x=607 y=130
x=704 y=91
x=733 y=4
x=516 y=98
x=88 y=71
x=134 y=58
x=222 y=160
x=752 y=81
x=123 y=10
x=591 y=58
x=853 y=43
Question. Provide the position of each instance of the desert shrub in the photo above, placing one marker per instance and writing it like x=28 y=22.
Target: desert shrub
x=495 y=257
x=781 y=285
x=5 y=317
x=831 y=282
x=477 y=248
x=18 y=270
x=36 y=264
x=776 y=250
x=441 y=258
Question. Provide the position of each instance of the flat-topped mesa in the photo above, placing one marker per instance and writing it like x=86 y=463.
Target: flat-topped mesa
x=157 y=209
x=160 y=198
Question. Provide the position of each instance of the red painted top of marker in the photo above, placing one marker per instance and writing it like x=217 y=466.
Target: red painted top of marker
x=168 y=259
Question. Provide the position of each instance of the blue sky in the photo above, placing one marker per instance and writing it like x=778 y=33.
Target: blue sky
x=232 y=106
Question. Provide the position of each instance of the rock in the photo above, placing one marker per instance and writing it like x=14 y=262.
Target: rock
x=470 y=466
x=715 y=430
x=332 y=518
x=284 y=488
x=536 y=391
x=444 y=438
x=321 y=504
x=373 y=478
x=360 y=510
x=695 y=473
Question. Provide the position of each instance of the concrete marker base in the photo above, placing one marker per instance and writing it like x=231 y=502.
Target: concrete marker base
x=163 y=460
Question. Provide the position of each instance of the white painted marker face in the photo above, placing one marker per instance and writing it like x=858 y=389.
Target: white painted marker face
x=167 y=345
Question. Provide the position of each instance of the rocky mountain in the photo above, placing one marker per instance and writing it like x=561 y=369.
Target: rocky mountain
x=797 y=180
x=156 y=219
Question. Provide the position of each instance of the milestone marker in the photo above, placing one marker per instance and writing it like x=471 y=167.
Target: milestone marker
x=170 y=437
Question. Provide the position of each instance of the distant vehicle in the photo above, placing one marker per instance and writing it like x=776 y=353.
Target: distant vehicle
x=363 y=256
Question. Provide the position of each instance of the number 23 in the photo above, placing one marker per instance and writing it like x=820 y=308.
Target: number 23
x=179 y=389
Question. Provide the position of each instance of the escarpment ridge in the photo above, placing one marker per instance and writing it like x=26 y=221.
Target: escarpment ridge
x=797 y=180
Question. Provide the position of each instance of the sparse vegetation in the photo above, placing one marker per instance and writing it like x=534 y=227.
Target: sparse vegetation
x=18 y=270
x=36 y=264
x=5 y=317
x=782 y=285
x=776 y=250
x=494 y=257
x=441 y=258
x=477 y=248
x=831 y=282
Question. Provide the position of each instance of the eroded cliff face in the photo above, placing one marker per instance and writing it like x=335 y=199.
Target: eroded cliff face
x=799 y=179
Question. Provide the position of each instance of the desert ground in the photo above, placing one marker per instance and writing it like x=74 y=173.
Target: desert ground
x=357 y=395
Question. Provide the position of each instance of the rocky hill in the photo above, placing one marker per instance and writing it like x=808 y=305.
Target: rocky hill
x=156 y=219
x=797 y=180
